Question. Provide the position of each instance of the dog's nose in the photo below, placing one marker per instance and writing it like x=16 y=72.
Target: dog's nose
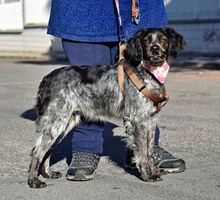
x=155 y=49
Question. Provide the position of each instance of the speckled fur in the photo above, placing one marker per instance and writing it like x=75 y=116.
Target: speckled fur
x=69 y=94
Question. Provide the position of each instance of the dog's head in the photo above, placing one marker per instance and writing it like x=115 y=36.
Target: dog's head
x=153 y=46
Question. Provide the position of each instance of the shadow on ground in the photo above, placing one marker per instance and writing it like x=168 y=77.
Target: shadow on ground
x=113 y=146
x=195 y=63
x=182 y=63
x=44 y=62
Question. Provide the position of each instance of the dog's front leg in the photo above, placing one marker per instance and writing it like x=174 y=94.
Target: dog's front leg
x=155 y=174
x=144 y=140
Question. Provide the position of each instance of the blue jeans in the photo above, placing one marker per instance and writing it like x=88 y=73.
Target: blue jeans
x=88 y=136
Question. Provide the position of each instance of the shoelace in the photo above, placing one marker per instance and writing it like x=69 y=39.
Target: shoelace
x=161 y=153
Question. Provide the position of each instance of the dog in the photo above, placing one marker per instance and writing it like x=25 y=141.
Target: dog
x=69 y=94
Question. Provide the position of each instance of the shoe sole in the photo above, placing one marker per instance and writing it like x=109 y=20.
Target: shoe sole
x=173 y=170
x=168 y=170
x=80 y=177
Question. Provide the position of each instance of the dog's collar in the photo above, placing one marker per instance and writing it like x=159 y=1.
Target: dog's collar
x=159 y=101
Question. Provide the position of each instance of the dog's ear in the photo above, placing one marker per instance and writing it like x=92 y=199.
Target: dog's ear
x=176 y=42
x=134 y=51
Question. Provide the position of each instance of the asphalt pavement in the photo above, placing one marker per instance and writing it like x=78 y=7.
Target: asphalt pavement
x=189 y=123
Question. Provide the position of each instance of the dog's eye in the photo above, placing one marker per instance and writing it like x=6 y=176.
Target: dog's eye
x=146 y=41
x=163 y=40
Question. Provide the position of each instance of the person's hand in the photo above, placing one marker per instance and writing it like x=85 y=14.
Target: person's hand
x=122 y=47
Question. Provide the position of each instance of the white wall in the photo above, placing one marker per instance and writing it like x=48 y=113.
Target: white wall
x=36 y=12
x=23 y=28
x=31 y=43
x=23 y=25
x=11 y=16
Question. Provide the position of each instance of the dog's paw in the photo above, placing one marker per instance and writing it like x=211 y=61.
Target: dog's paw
x=155 y=176
x=56 y=175
x=162 y=172
x=52 y=175
x=36 y=183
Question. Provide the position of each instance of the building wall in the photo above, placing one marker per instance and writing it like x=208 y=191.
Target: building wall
x=30 y=43
x=198 y=21
x=201 y=38
x=23 y=25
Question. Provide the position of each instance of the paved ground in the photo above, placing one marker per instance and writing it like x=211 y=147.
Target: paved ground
x=189 y=124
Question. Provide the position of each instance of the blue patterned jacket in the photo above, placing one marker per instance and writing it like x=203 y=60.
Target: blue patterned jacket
x=97 y=20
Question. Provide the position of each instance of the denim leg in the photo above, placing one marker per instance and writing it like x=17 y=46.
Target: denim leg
x=88 y=136
x=157 y=135
x=82 y=53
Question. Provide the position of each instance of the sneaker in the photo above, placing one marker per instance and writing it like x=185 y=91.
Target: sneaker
x=83 y=166
x=167 y=162
x=164 y=161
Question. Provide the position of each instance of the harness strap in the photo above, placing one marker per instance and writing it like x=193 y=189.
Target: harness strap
x=122 y=47
x=159 y=101
x=142 y=88
x=121 y=79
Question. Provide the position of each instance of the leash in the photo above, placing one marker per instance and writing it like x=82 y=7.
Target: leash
x=135 y=12
x=159 y=101
x=135 y=16
x=124 y=67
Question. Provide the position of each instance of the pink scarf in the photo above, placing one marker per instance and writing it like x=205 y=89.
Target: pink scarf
x=160 y=72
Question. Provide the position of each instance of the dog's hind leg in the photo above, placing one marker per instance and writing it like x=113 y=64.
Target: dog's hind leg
x=52 y=129
x=46 y=170
x=38 y=154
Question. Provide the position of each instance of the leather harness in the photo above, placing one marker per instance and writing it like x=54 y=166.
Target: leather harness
x=159 y=101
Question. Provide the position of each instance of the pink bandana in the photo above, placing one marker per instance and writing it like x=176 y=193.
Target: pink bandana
x=160 y=72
